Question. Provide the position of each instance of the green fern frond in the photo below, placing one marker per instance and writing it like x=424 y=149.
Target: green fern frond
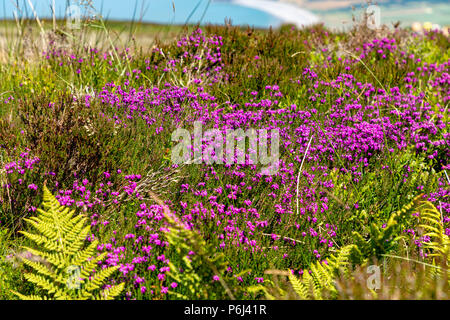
x=321 y=280
x=260 y=288
x=66 y=269
x=346 y=257
x=431 y=222
x=31 y=297
x=384 y=239
x=299 y=288
x=99 y=278
x=198 y=269
x=111 y=293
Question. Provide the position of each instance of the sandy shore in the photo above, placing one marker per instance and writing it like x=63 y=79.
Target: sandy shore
x=408 y=13
x=286 y=12
x=325 y=5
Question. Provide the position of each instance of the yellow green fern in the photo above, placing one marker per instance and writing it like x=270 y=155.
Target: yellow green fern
x=431 y=222
x=438 y=246
x=198 y=269
x=66 y=269
x=320 y=282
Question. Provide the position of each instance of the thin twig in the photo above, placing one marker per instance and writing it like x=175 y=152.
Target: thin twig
x=301 y=167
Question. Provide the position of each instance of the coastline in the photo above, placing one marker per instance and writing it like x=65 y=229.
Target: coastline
x=287 y=12
x=338 y=13
x=324 y=5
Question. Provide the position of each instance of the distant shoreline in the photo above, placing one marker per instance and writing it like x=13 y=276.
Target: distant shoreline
x=264 y=13
x=324 y=5
x=338 y=13
x=287 y=12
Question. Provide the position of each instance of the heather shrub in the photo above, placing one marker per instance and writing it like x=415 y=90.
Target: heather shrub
x=363 y=124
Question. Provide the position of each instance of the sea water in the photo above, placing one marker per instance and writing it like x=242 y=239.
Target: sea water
x=155 y=11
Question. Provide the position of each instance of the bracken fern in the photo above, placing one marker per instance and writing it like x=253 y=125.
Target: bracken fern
x=431 y=222
x=69 y=271
x=197 y=269
x=321 y=281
